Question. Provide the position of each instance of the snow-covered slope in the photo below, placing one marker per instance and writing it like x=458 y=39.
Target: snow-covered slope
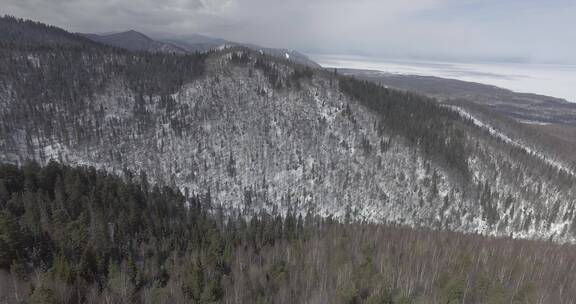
x=255 y=138
x=516 y=143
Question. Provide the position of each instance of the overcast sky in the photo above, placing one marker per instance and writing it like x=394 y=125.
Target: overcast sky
x=525 y=30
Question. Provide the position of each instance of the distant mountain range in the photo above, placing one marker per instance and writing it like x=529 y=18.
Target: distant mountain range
x=135 y=41
x=192 y=43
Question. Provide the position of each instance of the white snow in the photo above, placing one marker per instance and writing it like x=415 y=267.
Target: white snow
x=496 y=133
x=547 y=79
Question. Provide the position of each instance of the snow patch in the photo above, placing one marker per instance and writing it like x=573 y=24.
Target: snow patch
x=498 y=134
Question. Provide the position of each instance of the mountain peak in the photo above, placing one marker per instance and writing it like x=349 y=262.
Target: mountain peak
x=132 y=32
x=131 y=40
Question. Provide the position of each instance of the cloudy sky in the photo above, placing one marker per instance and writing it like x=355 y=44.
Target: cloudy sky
x=514 y=30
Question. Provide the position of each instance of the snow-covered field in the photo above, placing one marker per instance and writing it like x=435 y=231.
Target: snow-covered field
x=546 y=79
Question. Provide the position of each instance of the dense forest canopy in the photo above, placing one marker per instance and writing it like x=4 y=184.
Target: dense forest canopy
x=80 y=235
x=420 y=120
x=28 y=33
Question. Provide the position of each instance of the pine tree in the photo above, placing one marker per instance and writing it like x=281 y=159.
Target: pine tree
x=193 y=281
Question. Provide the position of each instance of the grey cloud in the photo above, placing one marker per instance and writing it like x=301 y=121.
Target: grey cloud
x=440 y=28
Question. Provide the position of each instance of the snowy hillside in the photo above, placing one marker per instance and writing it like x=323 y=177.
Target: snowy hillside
x=238 y=123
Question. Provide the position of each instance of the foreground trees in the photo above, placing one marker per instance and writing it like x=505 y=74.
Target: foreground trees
x=70 y=235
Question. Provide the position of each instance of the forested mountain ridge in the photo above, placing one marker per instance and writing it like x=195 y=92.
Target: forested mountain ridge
x=544 y=124
x=135 y=41
x=189 y=44
x=31 y=33
x=262 y=133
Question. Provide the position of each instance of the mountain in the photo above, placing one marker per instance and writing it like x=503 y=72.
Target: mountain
x=201 y=43
x=19 y=31
x=256 y=132
x=544 y=123
x=180 y=44
x=291 y=55
x=135 y=41
x=196 y=42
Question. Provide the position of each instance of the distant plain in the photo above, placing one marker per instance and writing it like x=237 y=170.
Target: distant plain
x=556 y=80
